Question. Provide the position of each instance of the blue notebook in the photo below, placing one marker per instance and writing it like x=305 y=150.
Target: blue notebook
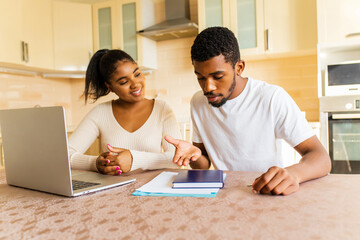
x=199 y=179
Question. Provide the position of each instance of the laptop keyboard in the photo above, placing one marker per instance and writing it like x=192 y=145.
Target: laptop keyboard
x=76 y=184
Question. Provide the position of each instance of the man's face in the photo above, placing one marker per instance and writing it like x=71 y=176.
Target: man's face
x=217 y=79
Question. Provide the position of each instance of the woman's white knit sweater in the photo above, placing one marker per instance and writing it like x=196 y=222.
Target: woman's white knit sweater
x=145 y=144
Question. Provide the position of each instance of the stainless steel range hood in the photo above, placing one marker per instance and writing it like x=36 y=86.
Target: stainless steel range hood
x=176 y=25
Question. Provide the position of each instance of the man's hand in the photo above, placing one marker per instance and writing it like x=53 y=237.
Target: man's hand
x=276 y=181
x=185 y=151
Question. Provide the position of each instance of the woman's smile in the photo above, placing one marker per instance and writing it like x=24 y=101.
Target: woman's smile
x=137 y=92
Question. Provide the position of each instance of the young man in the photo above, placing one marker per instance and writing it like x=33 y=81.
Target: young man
x=238 y=122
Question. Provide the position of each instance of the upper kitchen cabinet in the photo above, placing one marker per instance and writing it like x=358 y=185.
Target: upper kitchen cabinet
x=115 y=24
x=26 y=33
x=338 y=21
x=10 y=31
x=213 y=13
x=265 y=27
x=290 y=26
x=72 y=27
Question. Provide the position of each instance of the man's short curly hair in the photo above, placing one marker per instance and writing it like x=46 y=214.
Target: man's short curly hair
x=214 y=41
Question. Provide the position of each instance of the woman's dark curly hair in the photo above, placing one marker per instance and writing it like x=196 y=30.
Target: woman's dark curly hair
x=214 y=41
x=100 y=69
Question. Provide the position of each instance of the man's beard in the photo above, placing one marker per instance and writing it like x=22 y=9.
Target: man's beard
x=224 y=100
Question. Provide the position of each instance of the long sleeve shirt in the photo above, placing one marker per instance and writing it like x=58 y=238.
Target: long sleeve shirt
x=147 y=145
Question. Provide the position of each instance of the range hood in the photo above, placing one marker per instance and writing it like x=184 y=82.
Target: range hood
x=176 y=25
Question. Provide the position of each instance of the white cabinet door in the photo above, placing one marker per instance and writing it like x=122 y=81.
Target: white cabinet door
x=10 y=31
x=37 y=33
x=338 y=20
x=72 y=24
x=30 y=23
x=290 y=26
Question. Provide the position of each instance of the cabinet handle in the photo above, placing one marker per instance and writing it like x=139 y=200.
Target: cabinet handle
x=267 y=39
x=26 y=52
x=23 y=51
x=352 y=34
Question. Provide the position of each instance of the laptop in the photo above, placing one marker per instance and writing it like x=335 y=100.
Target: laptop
x=36 y=154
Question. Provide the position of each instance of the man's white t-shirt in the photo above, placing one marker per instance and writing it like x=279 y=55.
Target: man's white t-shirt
x=245 y=133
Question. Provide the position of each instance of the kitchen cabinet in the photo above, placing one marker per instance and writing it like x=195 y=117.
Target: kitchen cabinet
x=72 y=27
x=10 y=34
x=265 y=27
x=115 y=24
x=26 y=33
x=338 y=21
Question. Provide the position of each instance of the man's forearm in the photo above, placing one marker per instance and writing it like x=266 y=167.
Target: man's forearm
x=311 y=166
x=201 y=163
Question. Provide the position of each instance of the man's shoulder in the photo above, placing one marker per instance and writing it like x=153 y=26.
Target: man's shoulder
x=263 y=89
x=198 y=97
x=263 y=86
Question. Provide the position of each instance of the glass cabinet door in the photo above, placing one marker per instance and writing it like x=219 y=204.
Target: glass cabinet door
x=213 y=13
x=129 y=29
x=246 y=24
x=104 y=21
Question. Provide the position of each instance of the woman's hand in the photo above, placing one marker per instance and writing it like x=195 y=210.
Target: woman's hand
x=114 y=162
x=120 y=157
x=104 y=165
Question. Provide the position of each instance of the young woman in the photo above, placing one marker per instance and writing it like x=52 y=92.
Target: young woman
x=131 y=128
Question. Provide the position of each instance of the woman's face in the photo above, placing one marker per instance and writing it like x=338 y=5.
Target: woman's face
x=127 y=82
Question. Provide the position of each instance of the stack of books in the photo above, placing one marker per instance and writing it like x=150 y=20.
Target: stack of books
x=199 y=179
x=186 y=183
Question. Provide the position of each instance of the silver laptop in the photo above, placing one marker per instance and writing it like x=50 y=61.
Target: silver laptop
x=36 y=154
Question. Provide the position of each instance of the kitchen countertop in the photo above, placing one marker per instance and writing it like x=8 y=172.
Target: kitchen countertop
x=325 y=208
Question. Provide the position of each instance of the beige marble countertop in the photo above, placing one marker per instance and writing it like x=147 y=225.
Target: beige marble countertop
x=325 y=208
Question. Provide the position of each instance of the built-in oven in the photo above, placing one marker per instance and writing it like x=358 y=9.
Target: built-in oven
x=340 y=132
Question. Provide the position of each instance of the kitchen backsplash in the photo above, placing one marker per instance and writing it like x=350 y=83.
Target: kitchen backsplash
x=19 y=91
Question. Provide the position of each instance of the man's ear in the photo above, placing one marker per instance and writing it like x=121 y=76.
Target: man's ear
x=239 y=67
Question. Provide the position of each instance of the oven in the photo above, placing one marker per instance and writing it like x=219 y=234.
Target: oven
x=340 y=132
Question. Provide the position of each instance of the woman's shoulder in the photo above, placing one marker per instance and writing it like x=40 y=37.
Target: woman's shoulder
x=162 y=106
x=101 y=109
